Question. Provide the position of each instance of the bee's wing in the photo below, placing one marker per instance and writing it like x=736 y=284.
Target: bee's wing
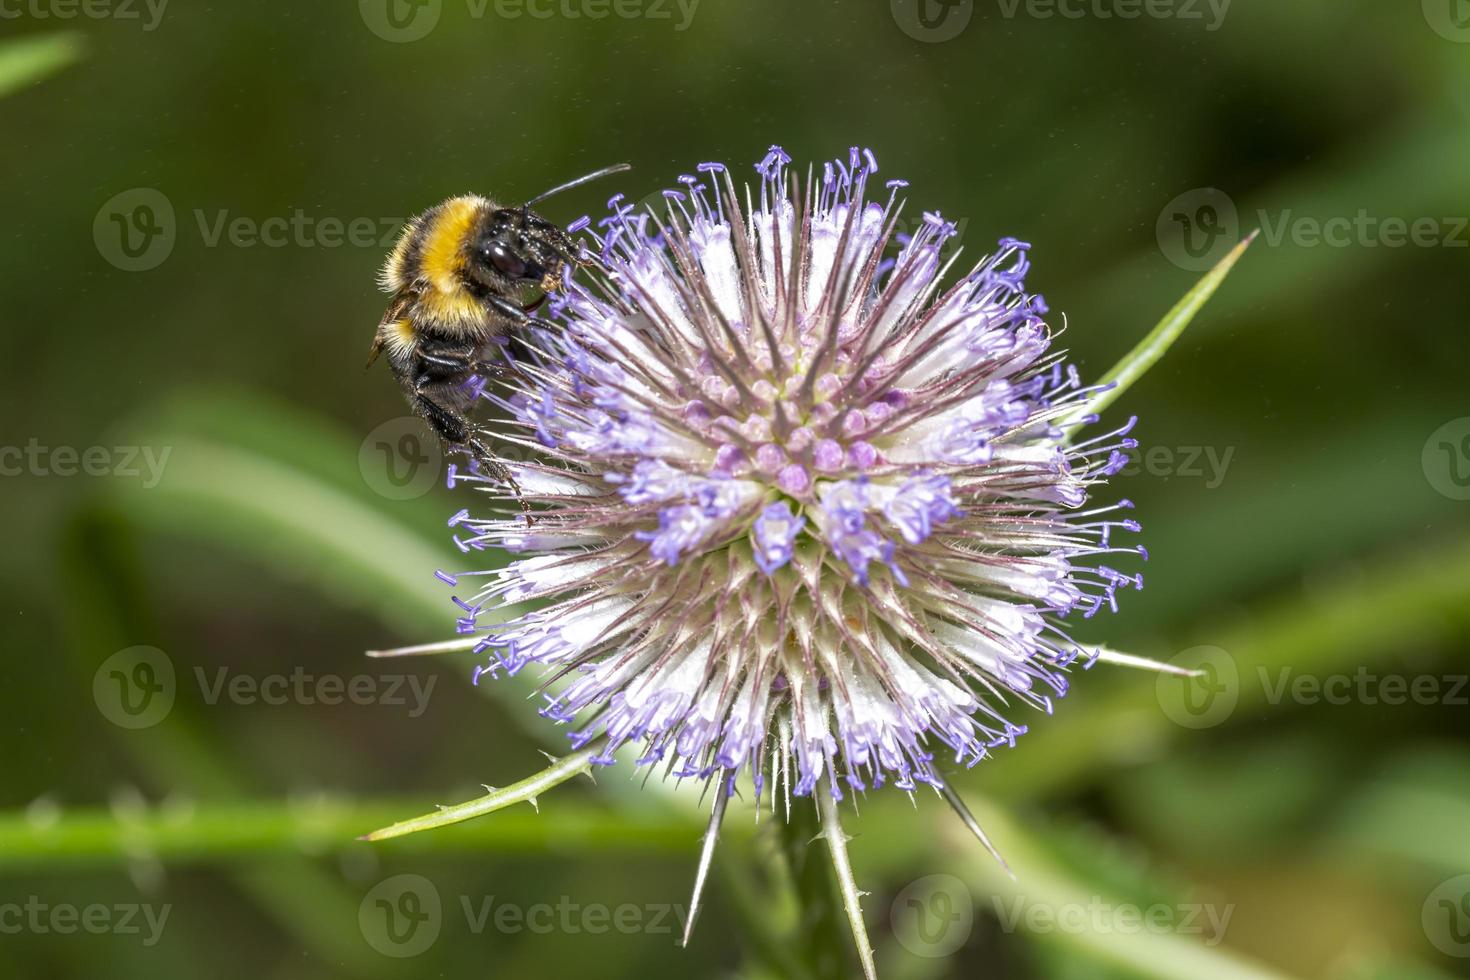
x=397 y=307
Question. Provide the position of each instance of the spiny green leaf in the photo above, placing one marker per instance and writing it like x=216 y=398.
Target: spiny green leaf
x=1162 y=336
x=525 y=791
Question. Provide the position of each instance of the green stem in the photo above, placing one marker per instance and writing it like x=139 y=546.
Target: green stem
x=524 y=791
x=846 y=883
x=764 y=924
x=48 y=837
x=820 y=940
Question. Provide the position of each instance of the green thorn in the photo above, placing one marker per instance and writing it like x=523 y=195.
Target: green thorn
x=524 y=791
x=1149 y=350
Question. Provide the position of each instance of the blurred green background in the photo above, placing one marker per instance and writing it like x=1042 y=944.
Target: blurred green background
x=196 y=200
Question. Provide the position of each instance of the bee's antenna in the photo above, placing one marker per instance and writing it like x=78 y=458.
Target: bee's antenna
x=588 y=178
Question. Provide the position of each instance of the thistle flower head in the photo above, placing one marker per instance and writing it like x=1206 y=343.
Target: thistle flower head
x=805 y=508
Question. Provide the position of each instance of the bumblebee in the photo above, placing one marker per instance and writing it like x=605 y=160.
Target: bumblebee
x=459 y=277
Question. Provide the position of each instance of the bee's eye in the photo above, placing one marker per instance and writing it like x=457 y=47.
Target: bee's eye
x=505 y=260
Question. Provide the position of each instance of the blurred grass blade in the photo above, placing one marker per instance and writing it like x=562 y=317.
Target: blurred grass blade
x=1046 y=885
x=271 y=483
x=1353 y=622
x=28 y=60
x=265 y=507
x=98 y=561
x=267 y=481
x=1137 y=361
x=1414 y=811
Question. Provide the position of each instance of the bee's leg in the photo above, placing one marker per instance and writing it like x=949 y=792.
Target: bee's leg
x=441 y=363
x=456 y=430
x=447 y=363
x=518 y=314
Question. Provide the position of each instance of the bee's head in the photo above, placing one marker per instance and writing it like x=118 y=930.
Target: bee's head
x=517 y=247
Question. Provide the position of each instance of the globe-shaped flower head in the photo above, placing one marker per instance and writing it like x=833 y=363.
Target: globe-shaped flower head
x=802 y=510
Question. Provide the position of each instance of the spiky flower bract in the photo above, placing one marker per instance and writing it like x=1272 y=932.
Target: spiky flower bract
x=802 y=510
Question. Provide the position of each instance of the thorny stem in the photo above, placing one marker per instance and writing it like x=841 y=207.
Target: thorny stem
x=837 y=844
x=524 y=791
x=819 y=939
